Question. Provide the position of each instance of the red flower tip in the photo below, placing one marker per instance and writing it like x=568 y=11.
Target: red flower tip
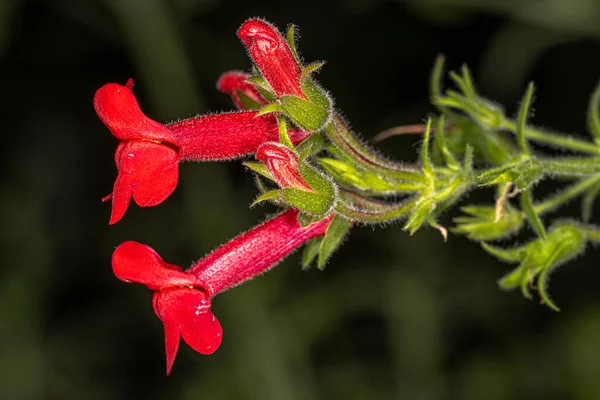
x=118 y=108
x=272 y=56
x=185 y=312
x=282 y=163
x=234 y=82
x=136 y=262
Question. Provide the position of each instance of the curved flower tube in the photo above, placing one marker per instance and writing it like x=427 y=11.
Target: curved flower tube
x=182 y=299
x=149 y=153
x=234 y=84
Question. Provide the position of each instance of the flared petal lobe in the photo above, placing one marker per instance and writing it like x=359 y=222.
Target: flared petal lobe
x=118 y=108
x=148 y=171
x=136 y=262
x=186 y=312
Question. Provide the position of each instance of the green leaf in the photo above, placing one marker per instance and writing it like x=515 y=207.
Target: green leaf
x=337 y=230
x=440 y=143
x=534 y=219
x=247 y=102
x=587 y=202
x=290 y=37
x=427 y=168
x=507 y=255
x=522 y=119
x=312 y=203
x=316 y=180
x=307 y=115
x=284 y=138
x=312 y=145
x=421 y=212
x=594 y=115
x=305 y=219
x=482 y=224
x=260 y=83
x=270 y=195
x=270 y=108
x=522 y=173
x=310 y=252
x=311 y=68
x=259 y=168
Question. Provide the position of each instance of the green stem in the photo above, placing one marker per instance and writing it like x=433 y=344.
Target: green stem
x=553 y=139
x=568 y=166
x=382 y=214
x=564 y=196
x=353 y=149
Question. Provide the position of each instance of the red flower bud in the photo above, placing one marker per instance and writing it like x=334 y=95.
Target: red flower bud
x=148 y=156
x=232 y=82
x=273 y=57
x=282 y=163
x=182 y=299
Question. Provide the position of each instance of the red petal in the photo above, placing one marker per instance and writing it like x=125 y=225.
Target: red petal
x=153 y=170
x=118 y=108
x=233 y=81
x=136 y=262
x=189 y=310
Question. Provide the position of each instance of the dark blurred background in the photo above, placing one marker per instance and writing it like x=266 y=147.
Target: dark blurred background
x=392 y=316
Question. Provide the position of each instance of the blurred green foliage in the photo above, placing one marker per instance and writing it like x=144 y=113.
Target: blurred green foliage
x=392 y=316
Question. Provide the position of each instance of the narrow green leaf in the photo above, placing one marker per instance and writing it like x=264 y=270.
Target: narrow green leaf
x=270 y=195
x=440 y=142
x=594 y=115
x=337 y=230
x=310 y=252
x=427 y=168
x=512 y=279
x=544 y=276
x=532 y=217
x=509 y=255
x=422 y=210
x=311 y=68
x=435 y=84
x=260 y=82
x=468 y=81
x=284 y=138
x=247 y=102
x=259 y=168
x=587 y=202
x=522 y=119
x=290 y=37
x=270 y=108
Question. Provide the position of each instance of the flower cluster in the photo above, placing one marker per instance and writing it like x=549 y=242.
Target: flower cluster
x=326 y=179
x=148 y=157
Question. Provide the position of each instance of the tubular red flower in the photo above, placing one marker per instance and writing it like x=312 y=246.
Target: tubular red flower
x=282 y=163
x=255 y=251
x=273 y=56
x=147 y=158
x=182 y=299
x=234 y=82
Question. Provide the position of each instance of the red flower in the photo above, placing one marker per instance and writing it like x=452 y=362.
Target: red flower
x=273 y=57
x=148 y=156
x=182 y=299
x=282 y=163
x=234 y=82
